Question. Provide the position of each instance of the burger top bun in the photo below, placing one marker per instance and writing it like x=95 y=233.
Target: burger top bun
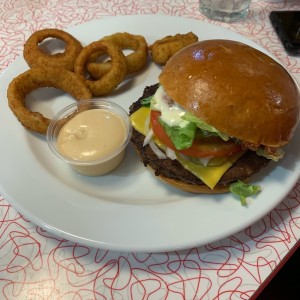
x=235 y=88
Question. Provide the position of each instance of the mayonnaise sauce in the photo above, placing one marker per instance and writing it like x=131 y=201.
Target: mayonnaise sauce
x=92 y=135
x=171 y=112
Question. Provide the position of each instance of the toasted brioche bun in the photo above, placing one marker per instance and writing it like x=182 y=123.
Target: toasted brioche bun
x=235 y=88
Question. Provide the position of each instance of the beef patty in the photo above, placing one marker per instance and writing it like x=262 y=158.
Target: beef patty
x=249 y=164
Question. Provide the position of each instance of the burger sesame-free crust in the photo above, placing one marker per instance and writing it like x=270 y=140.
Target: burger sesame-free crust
x=235 y=88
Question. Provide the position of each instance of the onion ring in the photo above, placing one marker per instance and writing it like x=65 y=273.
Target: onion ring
x=110 y=80
x=163 y=49
x=35 y=78
x=135 y=60
x=35 y=57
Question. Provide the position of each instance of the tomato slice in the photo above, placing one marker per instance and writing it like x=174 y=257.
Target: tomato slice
x=204 y=147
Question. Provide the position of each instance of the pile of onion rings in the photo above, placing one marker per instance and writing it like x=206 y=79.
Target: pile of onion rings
x=58 y=71
x=79 y=71
x=161 y=50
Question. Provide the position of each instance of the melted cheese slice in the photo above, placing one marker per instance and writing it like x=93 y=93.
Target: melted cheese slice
x=210 y=175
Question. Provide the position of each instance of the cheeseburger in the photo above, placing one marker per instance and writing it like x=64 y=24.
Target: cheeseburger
x=220 y=112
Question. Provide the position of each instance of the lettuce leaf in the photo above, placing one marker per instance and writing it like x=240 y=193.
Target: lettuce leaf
x=275 y=156
x=182 y=137
x=204 y=126
x=146 y=101
x=243 y=190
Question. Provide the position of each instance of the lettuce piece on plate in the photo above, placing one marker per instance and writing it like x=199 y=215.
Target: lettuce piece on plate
x=243 y=190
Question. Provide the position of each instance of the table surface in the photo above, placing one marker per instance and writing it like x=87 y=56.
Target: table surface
x=35 y=264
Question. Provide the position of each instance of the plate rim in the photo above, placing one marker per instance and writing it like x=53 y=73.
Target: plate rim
x=112 y=246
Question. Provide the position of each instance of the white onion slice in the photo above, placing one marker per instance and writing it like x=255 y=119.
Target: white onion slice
x=204 y=161
x=156 y=150
x=147 y=123
x=171 y=153
x=148 y=137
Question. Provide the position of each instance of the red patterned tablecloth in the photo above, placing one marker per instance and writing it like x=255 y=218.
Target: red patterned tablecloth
x=35 y=264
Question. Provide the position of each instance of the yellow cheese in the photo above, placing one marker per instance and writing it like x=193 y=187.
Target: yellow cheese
x=138 y=120
x=210 y=175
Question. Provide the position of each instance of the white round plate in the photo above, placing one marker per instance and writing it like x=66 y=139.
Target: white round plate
x=128 y=210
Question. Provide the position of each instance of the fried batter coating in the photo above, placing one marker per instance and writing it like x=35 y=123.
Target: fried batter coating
x=163 y=49
x=34 y=78
x=124 y=40
x=110 y=80
x=35 y=57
